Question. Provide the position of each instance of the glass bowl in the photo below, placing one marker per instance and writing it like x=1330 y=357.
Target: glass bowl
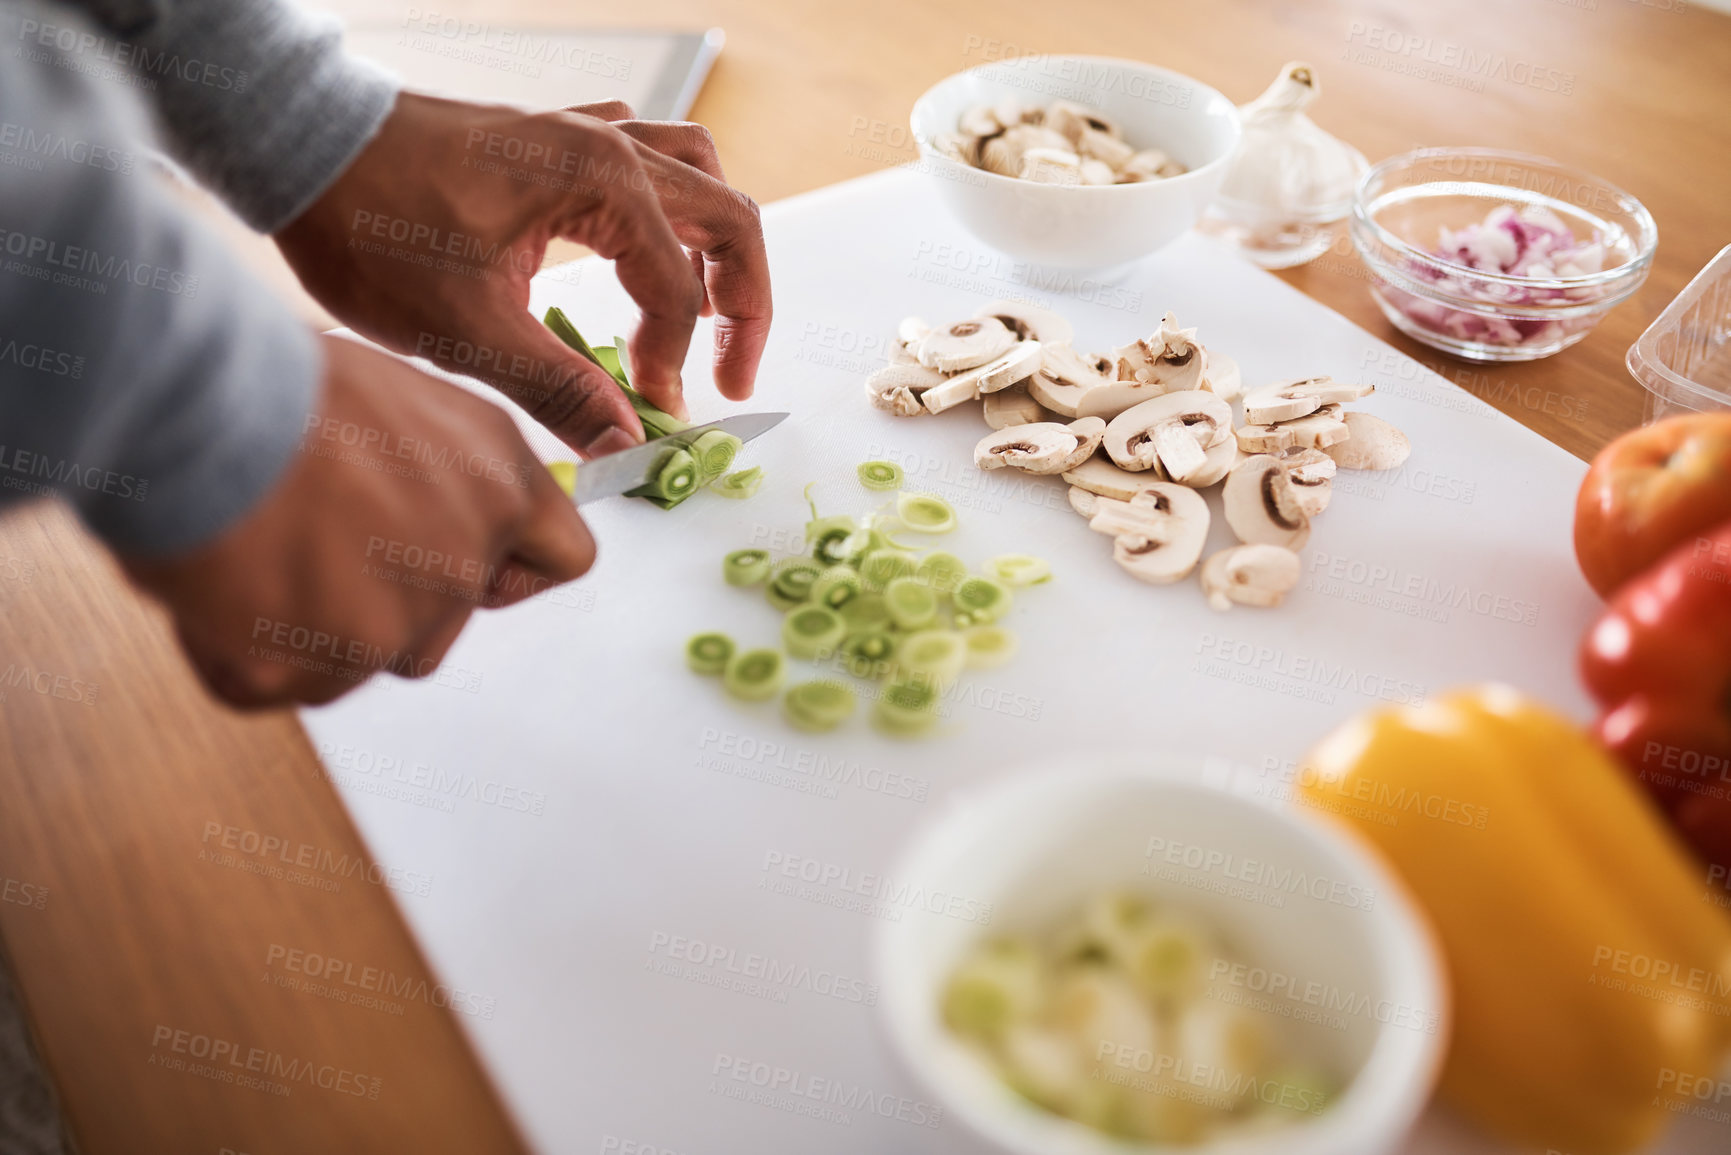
x=1562 y=249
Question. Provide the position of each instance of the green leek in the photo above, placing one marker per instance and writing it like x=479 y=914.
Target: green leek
x=709 y=653
x=817 y=706
x=745 y=567
x=812 y=632
x=880 y=475
x=714 y=452
x=740 y=484
x=656 y=423
x=755 y=675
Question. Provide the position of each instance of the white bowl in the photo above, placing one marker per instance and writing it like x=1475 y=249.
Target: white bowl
x=1093 y=226
x=1036 y=847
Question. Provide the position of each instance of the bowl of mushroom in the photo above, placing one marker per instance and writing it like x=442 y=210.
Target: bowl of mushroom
x=1075 y=162
x=1140 y=432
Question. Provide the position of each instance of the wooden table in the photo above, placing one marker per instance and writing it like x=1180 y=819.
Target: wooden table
x=167 y=868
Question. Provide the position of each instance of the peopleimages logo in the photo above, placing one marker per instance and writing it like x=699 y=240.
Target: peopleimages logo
x=751 y=966
x=134 y=57
x=269 y=850
x=816 y=766
x=373 y=980
x=886 y=897
x=1287 y=996
x=1424 y=56
x=46 y=144
x=29 y=355
x=798 y=1093
x=1221 y=1087
x=1257 y=872
x=56 y=473
x=72 y=261
x=226 y=1061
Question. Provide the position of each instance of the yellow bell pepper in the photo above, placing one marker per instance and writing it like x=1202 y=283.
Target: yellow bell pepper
x=1591 y=981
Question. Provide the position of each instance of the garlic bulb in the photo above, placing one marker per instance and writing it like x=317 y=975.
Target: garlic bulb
x=1289 y=177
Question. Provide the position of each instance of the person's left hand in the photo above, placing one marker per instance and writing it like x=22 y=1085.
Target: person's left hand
x=426 y=244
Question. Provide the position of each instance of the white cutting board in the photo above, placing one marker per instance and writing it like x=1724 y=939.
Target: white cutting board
x=583 y=800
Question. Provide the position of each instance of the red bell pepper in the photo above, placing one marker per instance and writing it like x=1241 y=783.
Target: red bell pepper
x=1659 y=662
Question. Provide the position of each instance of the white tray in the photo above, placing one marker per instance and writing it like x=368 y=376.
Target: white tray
x=651 y=805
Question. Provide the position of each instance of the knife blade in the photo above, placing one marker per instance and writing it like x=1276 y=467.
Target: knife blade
x=629 y=468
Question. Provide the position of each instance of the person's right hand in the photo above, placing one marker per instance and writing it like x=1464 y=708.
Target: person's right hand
x=427 y=242
x=410 y=503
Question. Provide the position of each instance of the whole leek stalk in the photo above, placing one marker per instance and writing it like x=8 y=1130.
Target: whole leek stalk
x=677 y=475
x=656 y=423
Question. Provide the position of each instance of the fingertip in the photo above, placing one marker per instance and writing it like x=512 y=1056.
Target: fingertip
x=736 y=390
x=735 y=377
x=613 y=439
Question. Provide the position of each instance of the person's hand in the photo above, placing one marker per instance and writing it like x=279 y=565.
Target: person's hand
x=409 y=504
x=426 y=244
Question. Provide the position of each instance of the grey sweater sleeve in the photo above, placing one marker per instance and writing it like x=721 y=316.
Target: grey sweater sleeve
x=143 y=374
x=255 y=97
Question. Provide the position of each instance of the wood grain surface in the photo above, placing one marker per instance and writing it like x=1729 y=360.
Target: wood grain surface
x=161 y=858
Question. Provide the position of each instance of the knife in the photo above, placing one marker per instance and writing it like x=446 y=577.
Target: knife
x=629 y=468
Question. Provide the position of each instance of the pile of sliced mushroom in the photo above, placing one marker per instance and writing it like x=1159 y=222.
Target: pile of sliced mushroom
x=1139 y=431
x=1061 y=143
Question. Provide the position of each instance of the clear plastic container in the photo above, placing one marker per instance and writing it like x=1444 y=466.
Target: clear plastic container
x=1684 y=357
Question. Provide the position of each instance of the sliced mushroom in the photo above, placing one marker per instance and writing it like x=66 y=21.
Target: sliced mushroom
x=1174 y=429
x=1071 y=119
x=1290 y=399
x=1038 y=447
x=997 y=156
x=1144 y=512
x=1316 y=430
x=1221 y=377
x=1113 y=397
x=1093 y=144
x=1100 y=476
x=979 y=120
x=1005 y=153
x=1308 y=466
x=1051 y=166
x=1260 y=504
x=964 y=345
x=1149 y=164
x=1016 y=365
x=898 y=388
x=1312 y=474
x=1097 y=172
x=1372 y=444
x=1217 y=462
x=1013 y=406
x=1011 y=112
x=908 y=335
x=1029 y=322
x=1119 y=518
x=1084 y=502
x=1172 y=545
x=1088 y=432
x=911 y=330
x=957 y=146
x=1170 y=359
x=1024 y=136
x=1249 y=575
x=1313 y=499
x=1065 y=376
